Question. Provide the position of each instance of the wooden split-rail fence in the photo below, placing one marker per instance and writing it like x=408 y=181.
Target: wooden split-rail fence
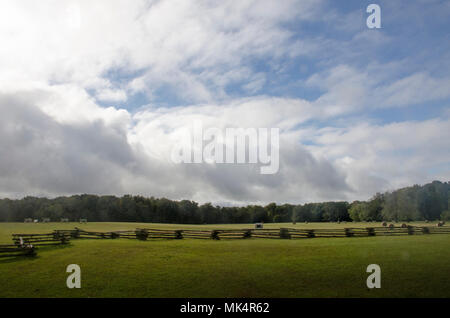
x=25 y=244
x=283 y=233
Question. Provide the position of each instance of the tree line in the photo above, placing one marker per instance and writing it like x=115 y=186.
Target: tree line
x=427 y=202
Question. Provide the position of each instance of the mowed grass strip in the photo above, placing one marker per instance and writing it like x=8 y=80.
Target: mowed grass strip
x=412 y=266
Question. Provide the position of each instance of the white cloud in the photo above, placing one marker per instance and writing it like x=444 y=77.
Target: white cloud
x=111 y=95
x=166 y=41
x=348 y=90
x=376 y=157
x=413 y=89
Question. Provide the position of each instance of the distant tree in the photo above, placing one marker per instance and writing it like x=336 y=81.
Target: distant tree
x=335 y=211
x=271 y=211
x=356 y=211
x=374 y=208
x=258 y=214
x=303 y=212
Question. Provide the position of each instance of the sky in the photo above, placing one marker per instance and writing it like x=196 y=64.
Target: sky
x=93 y=93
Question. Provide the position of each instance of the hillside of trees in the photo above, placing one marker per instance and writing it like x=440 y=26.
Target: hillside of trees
x=427 y=202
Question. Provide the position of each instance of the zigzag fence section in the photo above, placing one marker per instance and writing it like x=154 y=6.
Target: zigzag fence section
x=283 y=233
x=25 y=244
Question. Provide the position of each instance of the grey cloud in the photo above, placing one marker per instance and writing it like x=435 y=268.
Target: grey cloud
x=301 y=178
x=41 y=155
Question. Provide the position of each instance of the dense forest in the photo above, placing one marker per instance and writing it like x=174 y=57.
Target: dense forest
x=427 y=202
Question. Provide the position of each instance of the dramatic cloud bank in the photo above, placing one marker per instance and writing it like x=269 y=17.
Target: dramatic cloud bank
x=94 y=94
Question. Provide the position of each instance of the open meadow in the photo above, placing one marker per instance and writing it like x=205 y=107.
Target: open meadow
x=411 y=266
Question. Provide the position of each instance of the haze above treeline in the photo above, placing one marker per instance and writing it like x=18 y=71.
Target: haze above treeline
x=415 y=203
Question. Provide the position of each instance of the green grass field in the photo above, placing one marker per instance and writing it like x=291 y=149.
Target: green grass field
x=412 y=266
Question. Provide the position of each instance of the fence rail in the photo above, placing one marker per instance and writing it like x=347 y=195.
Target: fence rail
x=54 y=238
x=14 y=250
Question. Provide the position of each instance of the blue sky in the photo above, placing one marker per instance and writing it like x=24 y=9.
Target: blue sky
x=359 y=110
